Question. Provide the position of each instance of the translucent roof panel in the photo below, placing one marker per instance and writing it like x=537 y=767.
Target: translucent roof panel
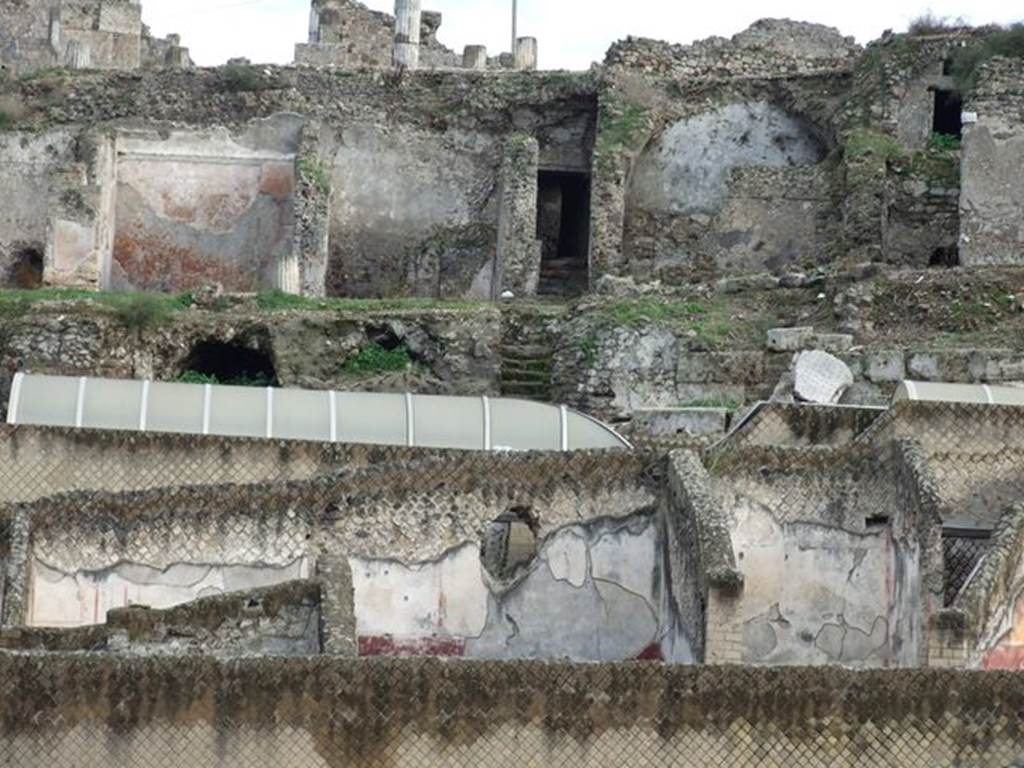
x=175 y=408
x=522 y=425
x=111 y=404
x=49 y=401
x=432 y=421
x=449 y=422
x=364 y=417
x=238 y=411
x=301 y=415
x=588 y=433
x=984 y=394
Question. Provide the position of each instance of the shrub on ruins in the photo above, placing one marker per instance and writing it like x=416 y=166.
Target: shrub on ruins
x=240 y=78
x=967 y=61
x=929 y=23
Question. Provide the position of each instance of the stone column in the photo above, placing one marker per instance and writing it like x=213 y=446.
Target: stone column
x=474 y=57
x=15 y=584
x=526 y=53
x=408 y=18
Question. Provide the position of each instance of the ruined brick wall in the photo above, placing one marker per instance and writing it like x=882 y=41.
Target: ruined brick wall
x=95 y=710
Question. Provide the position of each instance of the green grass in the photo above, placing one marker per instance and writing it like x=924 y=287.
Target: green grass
x=6 y=120
x=135 y=309
x=373 y=358
x=279 y=301
x=713 y=325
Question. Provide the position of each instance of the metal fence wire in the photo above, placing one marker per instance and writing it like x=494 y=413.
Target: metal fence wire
x=85 y=711
x=962 y=550
x=84 y=498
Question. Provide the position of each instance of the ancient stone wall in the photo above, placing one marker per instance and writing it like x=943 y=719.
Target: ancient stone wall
x=348 y=35
x=205 y=207
x=836 y=568
x=992 y=202
x=96 y=710
x=770 y=47
x=410 y=532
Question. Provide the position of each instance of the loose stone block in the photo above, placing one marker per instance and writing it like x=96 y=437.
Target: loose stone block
x=475 y=57
x=833 y=343
x=789 y=339
x=821 y=378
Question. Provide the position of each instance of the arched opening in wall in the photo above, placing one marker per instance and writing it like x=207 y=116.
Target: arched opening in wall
x=734 y=189
x=563 y=228
x=26 y=269
x=945 y=256
x=947 y=119
x=509 y=543
x=233 y=363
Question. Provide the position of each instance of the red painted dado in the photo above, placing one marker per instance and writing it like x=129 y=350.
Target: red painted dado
x=651 y=653
x=1004 y=657
x=385 y=645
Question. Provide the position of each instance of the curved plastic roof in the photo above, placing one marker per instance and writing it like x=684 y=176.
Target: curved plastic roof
x=429 y=421
x=927 y=391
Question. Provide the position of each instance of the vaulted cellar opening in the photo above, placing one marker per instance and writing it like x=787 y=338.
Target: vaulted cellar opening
x=563 y=227
x=229 y=363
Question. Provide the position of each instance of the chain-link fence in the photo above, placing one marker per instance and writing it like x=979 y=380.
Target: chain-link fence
x=962 y=550
x=85 y=712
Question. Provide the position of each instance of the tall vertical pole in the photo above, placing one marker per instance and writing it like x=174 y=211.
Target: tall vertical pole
x=515 y=21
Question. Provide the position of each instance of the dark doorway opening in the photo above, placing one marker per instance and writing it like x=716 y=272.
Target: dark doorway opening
x=26 y=270
x=563 y=227
x=219 y=362
x=945 y=256
x=948 y=109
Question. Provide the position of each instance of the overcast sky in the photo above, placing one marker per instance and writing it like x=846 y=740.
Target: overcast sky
x=572 y=33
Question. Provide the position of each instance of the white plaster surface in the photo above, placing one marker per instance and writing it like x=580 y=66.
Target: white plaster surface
x=60 y=599
x=447 y=597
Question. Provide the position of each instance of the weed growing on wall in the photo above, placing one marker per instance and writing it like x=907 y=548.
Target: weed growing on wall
x=944 y=142
x=617 y=129
x=279 y=301
x=1008 y=41
x=315 y=173
x=142 y=311
x=135 y=309
x=373 y=358
x=711 y=326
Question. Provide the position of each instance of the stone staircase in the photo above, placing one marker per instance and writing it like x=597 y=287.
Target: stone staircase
x=562 y=277
x=527 y=352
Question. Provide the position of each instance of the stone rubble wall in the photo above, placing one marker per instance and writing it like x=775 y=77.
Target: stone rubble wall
x=99 y=710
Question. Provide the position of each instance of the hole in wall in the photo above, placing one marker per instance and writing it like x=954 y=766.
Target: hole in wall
x=26 y=270
x=945 y=256
x=563 y=227
x=218 y=362
x=946 y=119
x=509 y=543
x=876 y=521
